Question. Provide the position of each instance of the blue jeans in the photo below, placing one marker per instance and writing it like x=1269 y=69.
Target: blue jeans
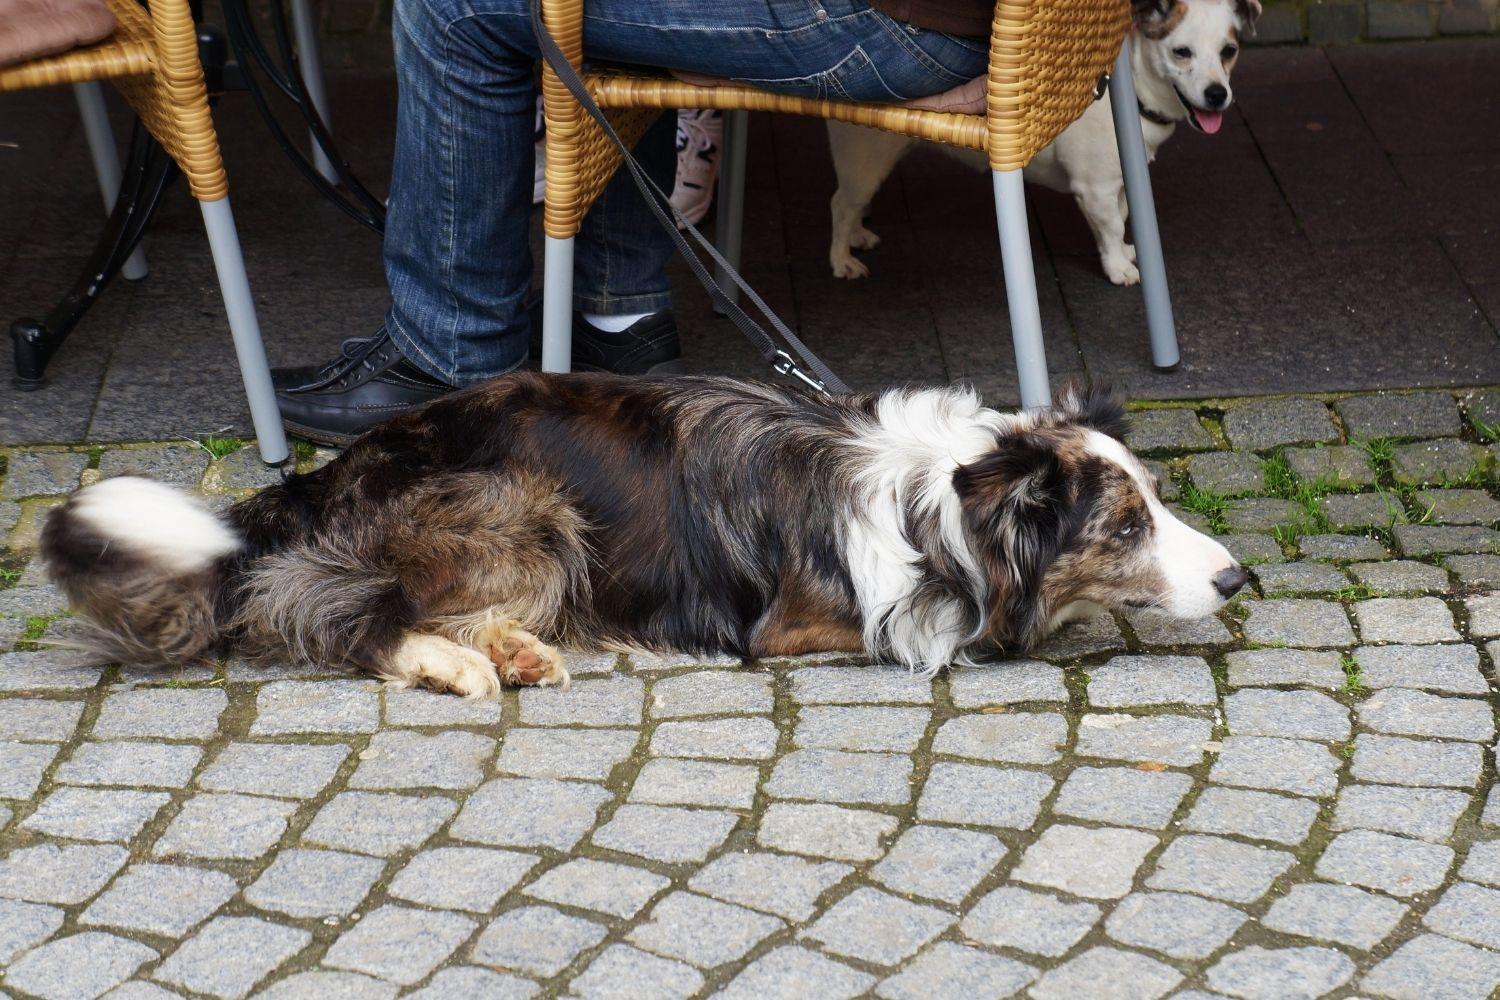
x=457 y=254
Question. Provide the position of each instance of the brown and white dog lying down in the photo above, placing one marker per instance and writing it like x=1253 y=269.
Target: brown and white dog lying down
x=457 y=545
x=1182 y=52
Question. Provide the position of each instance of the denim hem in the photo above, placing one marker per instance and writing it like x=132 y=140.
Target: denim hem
x=623 y=305
x=413 y=351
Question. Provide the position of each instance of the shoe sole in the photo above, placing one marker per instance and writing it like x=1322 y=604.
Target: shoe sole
x=673 y=367
x=319 y=436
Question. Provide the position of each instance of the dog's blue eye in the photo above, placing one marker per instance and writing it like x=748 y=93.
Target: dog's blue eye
x=1183 y=53
x=1127 y=531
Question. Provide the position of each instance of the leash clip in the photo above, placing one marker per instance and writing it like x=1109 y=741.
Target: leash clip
x=785 y=364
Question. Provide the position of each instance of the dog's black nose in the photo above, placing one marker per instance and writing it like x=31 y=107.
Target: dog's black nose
x=1229 y=581
x=1215 y=95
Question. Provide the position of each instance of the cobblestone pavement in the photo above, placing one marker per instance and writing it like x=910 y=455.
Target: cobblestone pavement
x=1292 y=800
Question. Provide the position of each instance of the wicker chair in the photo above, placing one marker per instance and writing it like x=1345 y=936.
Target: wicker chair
x=1047 y=58
x=152 y=58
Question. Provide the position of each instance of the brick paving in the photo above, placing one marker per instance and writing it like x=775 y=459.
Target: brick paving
x=1294 y=799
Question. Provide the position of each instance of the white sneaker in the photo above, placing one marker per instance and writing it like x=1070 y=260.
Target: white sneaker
x=539 y=183
x=699 y=134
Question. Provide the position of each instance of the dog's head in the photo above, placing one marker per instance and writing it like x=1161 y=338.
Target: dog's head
x=1192 y=46
x=1059 y=511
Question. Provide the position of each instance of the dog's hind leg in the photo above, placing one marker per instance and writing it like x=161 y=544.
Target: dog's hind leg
x=862 y=158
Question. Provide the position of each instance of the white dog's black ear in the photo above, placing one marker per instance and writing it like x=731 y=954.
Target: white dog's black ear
x=1094 y=406
x=1154 y=14
x=1248 y=11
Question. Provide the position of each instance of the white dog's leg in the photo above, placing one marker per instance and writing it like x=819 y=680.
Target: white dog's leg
x=862 y=158
x=1101 y=207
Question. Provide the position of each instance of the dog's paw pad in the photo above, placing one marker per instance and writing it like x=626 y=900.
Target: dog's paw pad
x=524 y=659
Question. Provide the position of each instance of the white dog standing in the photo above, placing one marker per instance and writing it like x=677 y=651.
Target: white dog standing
x=1182 y=52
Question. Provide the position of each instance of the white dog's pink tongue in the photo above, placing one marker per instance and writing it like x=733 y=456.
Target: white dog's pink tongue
x=1209 y=121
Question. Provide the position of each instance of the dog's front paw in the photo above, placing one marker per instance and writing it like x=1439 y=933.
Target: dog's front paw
x=849 y=266
x=524 y=659
x=863 y=239
x=1122 y=272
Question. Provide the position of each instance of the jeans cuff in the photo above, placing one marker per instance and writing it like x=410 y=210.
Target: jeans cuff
x=414 y=352
x=622 y=305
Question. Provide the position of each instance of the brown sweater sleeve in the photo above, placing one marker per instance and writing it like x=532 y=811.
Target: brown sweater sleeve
x=957 y=17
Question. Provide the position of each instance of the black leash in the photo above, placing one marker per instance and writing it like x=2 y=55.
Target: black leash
x=821 y=378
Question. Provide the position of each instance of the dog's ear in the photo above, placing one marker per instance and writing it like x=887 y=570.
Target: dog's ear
x=1095 y=406
x=1153 y=13
x=1014 y=500
x=1247 y=11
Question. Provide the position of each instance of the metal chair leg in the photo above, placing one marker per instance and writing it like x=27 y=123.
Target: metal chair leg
x=729 y=228
x=309 y=61
x=244 y=328
x=147 y=172
x=1020 y=288
x=101 y=140
x=557 y=305
x=1143 y=230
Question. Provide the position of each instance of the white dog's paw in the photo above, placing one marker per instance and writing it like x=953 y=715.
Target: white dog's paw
x=431 y=661
x=1130 y=252
x=863 y=239
x=1122 y=272
x=849 y=266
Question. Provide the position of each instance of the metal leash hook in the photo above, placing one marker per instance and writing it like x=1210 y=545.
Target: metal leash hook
x=785 y=364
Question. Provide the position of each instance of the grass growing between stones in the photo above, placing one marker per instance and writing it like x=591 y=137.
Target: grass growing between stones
x=1354 y=681
x=1207 y=504
x=36 y=625
x=8 y=577
x=220 y=446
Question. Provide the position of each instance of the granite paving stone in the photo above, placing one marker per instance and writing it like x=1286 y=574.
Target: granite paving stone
x=316 y=707
x=35 y=720
x=382 y=825
x=792 y=969
x=1484 y=616
x=1417 y=713
x=63 y=874
x=161 y=899
x=1459 y=506
x=148 y=765
x=838 y=776
x=1394 y=865
x=1341 y=548
x=1112 y=972
x=1483 y=863
x=718 y=739
x=1262 y=513
x=399 y=944
x=24 y=925
x=40 y=600
x=1122 y=796
x=225 y=826
x=1432 y=966
x=1099 y=634
x=230 y=955
x=1401 y=576
x=472 y=981
x=1018 y=738
x=1338 y=913
x=1268 y=973
x=1475 y=570
x=1186 y=927
x=695 y=783
x=169 y=714
x=1345 y=511
x=38 y=473
x=1034 y=922
x=1298 y=766
x=1291 y=622
x=1163 y=739
x=461 y=878
x=529 y=812
x=1253 y=549
x=80 y=965
x=1159 y=630
x=1176 y=429
x=939 y=862
x=623 y=964
x=773 y=883
x=1250 y=667
x=949 y=969
x=416 y=707
x=303 y=883
x=405 y=760
x=1405 y=619
x=1417 y=540
x=874 y=926
x=1257 y=815
x=982 y=796
x=620 y=890
x=538 y=940
x=825 y=831
x=1399 y=415
x=95 y=813
x=1262 y=424
x=664 y=833
x=701 y=931
x=858 y=727
x=1446 y=460
x=1469 y=913
x=605 y=701
x=1491 y=814
x=1426 y=813
x=1083 y=861
x=1300 y=578
x=284 y=770
x=1132 y=681
x=319 y=983
x=565 y=753
x=1293 y=714
x=1452 y=669
x=1008 y=683
x=1398 y=761
x=1227 y=473
x=874 y=685
x=711 y=692
x=1218 y=868
x=22 y=766
x=180 y=465
x=1339 y=466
